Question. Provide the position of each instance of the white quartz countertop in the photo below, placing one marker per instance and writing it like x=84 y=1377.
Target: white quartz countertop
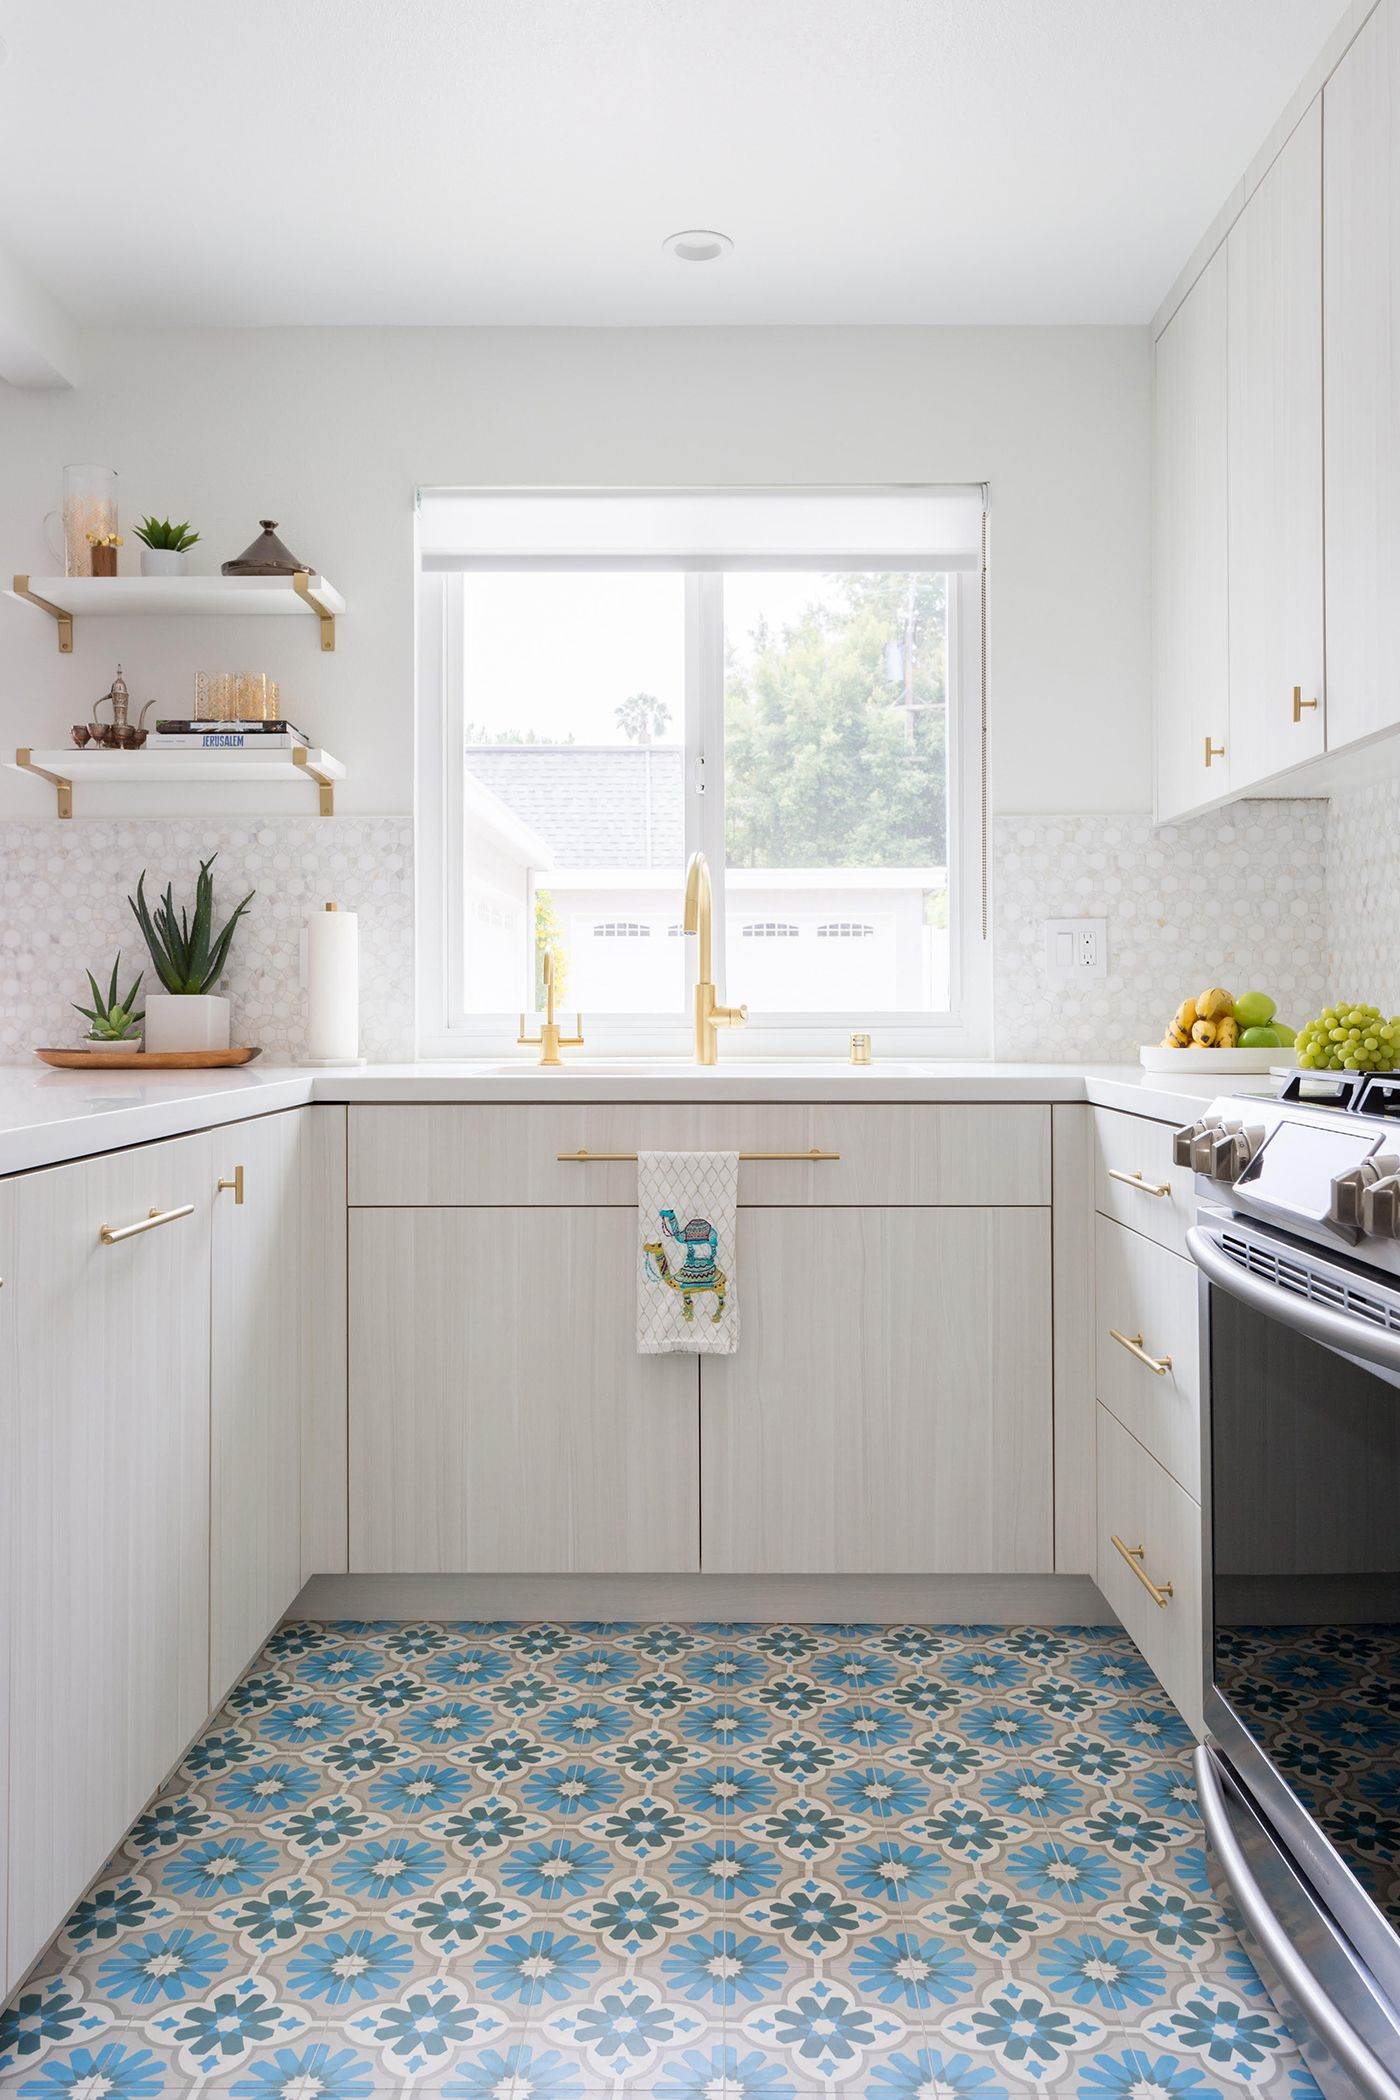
x=48 y=1117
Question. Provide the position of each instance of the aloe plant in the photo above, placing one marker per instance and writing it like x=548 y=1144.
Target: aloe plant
x=160 y=533
x=187 y=957
x=112 y=1020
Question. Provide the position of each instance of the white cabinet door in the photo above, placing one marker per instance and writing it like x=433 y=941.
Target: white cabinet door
x=9 y=1441
x=889 y=1407
x=110 y=1671
x=501 y=1419
x=1274 y=418
x=259 y=1300
x=1190 y=552
x=1361 y=327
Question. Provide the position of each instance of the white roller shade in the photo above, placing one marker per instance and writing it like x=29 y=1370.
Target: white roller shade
x=877 y=528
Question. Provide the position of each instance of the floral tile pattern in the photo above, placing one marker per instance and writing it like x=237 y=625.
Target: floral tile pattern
x=718 y=1862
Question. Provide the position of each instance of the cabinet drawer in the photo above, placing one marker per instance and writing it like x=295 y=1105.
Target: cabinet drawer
x=1135 y=1180
x=1147 y=1295
x=1142 y=1507
x=442 y=1155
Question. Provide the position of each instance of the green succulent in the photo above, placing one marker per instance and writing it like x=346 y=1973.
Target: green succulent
x=187 y=958
x=112 y=1020
x=159 y=532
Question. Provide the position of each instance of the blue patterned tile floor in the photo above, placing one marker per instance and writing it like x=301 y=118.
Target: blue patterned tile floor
x=547 y=1862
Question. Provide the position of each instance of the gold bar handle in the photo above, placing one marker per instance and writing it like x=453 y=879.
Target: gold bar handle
x=1159 y=1592
x=584 y=1157
x=234 y=1182
x=111 y=1234
x=1213 y=751
x=1299 y=703
x=1136 y=1180
x=1133 y=1344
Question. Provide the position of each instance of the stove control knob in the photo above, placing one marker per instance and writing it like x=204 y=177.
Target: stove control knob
x=1380 y=1209
x=1350 y=1191
x=1231 y=1151
x=1191 y=1145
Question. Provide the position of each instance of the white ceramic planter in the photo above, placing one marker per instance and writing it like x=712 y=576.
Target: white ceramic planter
x=186 y=1021
x=163 y=561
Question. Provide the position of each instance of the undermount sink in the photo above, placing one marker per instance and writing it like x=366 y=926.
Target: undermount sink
x=685 y=1068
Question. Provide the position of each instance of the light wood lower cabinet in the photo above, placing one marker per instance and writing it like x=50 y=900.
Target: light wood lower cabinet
x=501 y=1419
x=9 y=1568
x=110 y=1666
x=883 y=1413
x=1147 y=1339
x=1146 y=1519
x=259 y=1306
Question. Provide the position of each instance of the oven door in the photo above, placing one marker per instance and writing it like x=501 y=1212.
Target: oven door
x=1302 y=1773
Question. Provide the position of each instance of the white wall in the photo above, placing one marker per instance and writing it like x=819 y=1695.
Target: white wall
x=329 y=431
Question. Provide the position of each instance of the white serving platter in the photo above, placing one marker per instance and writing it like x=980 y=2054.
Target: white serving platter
x=1155 y=1057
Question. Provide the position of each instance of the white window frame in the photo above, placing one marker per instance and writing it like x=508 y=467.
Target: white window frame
x=447 y=1030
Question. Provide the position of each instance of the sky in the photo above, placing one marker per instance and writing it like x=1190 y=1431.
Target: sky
x=556 y=652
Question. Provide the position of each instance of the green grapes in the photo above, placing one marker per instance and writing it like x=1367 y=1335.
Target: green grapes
x=1347 y=1038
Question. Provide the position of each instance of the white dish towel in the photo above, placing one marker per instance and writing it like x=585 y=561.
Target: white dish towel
x=686 y=1205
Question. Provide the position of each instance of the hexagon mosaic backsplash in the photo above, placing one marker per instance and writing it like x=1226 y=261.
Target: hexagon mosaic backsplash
x=63 y=909
x=1240 y=899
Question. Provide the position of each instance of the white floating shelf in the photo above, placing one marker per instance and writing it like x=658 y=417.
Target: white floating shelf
x=63 y=768
x=66 y=598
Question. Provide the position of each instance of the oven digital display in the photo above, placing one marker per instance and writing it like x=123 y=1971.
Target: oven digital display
x=1295 y=1169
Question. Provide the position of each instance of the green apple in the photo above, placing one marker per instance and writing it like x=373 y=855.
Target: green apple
x=1260 y=1039
x=1284 y=1033
x=1254 y=1009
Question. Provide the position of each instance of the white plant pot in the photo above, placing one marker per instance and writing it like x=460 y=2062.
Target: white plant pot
x=186 y=1021
x=163 y=561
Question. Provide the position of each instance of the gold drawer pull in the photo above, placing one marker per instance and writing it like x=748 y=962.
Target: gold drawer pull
x=111 y=1234
x=586 y=1158
x=1213 y=751
x=1299 y=703
x=1135 y=1180
x=234 y=1182
x=1133 y=1344
x=1159 y=1592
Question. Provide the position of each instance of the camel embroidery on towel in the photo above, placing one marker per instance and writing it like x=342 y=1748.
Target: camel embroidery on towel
x=699 y=1271
x=685 y=1279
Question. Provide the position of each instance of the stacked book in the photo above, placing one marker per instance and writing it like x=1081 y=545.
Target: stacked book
x=225 y=736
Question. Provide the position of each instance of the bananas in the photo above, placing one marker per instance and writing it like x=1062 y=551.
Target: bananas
x=1206 y=1022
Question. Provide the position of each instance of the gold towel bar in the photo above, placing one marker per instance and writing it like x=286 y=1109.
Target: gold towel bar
x=587 y=1158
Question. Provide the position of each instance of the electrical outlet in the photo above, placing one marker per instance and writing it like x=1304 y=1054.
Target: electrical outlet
x=1076 y=949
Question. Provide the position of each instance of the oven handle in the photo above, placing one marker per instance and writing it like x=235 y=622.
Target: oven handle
x=1322 y=2016
x=1318 y=1322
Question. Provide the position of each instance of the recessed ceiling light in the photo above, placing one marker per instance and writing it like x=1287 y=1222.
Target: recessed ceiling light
x=697 y=244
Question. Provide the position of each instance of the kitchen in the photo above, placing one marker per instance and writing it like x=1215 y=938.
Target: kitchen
x=418 y=1669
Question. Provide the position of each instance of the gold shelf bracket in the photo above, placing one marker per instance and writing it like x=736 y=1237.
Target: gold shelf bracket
x=55 y=612
x=301 y=584
x=24 y=757
x=324 y=783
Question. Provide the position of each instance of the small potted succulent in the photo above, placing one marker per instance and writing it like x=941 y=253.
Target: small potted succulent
x=164 y=547
x=189 y=959
x=113 y=1024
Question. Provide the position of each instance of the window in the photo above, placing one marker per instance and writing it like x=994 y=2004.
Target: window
x=789 y=682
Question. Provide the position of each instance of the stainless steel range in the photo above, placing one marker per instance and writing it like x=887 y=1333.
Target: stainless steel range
x=1297 y=1241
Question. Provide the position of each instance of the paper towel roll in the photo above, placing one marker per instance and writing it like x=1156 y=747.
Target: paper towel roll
x=333 y=987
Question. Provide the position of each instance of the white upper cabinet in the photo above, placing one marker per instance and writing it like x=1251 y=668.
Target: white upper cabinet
x=1192 y=669
x=1361 y=319
x=1274 y=426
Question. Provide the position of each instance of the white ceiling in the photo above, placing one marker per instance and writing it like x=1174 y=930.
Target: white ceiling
x=256 y=162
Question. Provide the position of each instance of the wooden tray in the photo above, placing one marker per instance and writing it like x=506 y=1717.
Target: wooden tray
x=147 y=1060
